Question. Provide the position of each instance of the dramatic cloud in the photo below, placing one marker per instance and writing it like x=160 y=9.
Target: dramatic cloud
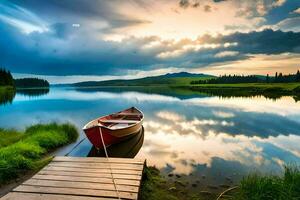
x=207 y=8
x=184 y=3
x=297 y=11
x=121 y=38
x=290 y=24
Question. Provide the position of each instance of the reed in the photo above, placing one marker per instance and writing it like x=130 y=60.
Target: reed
x=270 y=187
x=21 y=152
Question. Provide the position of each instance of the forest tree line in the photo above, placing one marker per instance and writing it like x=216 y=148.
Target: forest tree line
x=31 y=83
x=227 y=79
x=6 y=79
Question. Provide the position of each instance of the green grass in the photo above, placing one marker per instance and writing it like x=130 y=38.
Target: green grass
x=270 y=187
x=26 y=151
x=2 y=88
x=7 y=94
x=154 y=186
x=181 y=81
x=252 y=187
x=269 y=90
x=148 y=81
x=286 y=86
x=9 y=136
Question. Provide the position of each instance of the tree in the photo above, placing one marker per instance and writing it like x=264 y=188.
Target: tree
x=6 y=78
x=267 y=78
x=31 y=83
x=298 y=76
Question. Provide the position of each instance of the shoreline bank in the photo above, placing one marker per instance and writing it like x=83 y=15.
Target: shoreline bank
x=23 y=153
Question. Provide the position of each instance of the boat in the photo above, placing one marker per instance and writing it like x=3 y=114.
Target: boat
x=114 y=128
x=125 y=149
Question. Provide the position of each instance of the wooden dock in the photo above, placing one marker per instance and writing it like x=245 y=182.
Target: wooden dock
x=77 y=178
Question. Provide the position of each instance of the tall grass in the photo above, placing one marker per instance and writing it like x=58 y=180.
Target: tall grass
x=154 y=186
x=258 y=187
x=9 y=136
x=25 y=151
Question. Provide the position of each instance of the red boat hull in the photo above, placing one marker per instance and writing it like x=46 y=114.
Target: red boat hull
x=114 y=127
x=93 y=134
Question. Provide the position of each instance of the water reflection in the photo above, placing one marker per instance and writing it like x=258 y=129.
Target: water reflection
x=125 y=149
x=33 y=92
x=271 y=93
x=208 y=139
x=6 y=96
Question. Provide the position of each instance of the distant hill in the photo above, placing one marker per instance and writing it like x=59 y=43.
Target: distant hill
x=184 y=74
x=180 y=78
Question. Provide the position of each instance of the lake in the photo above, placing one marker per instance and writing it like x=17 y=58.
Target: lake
x=207 y=140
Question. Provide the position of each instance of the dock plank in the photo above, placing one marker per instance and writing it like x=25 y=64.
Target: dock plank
x=74 y=169
x=34 y=196
x=86 y=179
x=87 y=174
x=97 y=165
x=82 y=185
x=96 y=159
x=74 y=178
x=73 y=191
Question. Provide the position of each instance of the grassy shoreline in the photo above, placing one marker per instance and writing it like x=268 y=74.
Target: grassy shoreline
x=253 y=187
x=7 y=94
x=285 y=86
x=23 y=152
x=269 y=90
x=269 y=187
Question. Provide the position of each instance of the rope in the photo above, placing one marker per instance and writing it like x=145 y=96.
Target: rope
x=67 y=154
x=106 y=155
x=229 y=189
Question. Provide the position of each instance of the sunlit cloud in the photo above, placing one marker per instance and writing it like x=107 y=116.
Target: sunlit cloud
x=118 y=38
x=226 y=53
x=21 y=18
x=297 y=11
x=223 y=114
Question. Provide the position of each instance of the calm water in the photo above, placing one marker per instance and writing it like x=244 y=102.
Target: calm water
x=208 y=140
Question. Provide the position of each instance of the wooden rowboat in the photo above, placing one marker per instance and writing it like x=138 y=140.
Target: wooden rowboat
x=114 y=128
x=125 y=149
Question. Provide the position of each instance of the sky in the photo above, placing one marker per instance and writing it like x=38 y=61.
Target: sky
x=78 y=40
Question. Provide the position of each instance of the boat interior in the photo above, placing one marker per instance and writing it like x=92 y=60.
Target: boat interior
x=119 y=120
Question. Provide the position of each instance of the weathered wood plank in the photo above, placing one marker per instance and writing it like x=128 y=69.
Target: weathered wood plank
x=74 y=178
x=114 y=171
x=87 y=179
x=97 y=165
x=81 y=185
x=82 y=192
x=86 y=174
x=34 y=196
x=97 y=159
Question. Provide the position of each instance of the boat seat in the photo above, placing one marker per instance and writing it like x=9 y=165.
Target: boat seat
x=129 y=114
x=119 y=121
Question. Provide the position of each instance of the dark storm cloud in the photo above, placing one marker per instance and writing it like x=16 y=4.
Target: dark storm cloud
x=243 y=46
x=64 y=51
x=52 y=53
x=265 y=42
x=217 y=1
x=79 y=11
x=62 y=30
x=67 y=50
x=184 y=3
